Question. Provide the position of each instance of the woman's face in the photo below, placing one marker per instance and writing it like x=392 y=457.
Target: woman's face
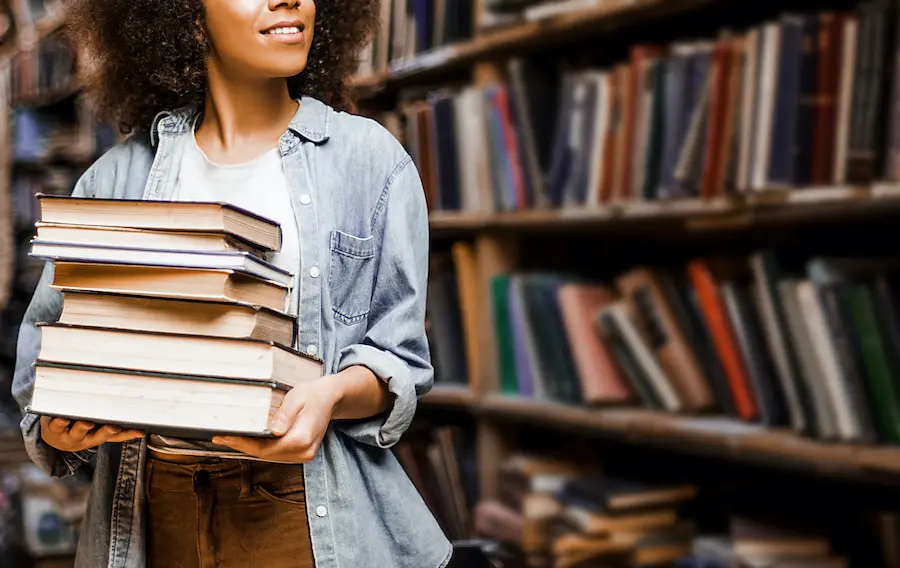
x=260 y=38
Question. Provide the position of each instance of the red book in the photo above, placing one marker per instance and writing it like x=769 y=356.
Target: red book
x=716 y=317
x=501 y=99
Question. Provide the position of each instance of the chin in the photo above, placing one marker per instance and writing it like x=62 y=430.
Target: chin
x=287 y=71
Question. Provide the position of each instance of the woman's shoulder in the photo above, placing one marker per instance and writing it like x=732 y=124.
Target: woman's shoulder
x=125 y=164
x=366 y=137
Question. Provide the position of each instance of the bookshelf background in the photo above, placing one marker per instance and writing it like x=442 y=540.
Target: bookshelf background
x=469 y=433
x=49 y=138
x=534 y=139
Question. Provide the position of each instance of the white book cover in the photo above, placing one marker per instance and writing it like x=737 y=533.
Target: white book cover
x=646 y=359
x=845 y=97
x=848 y=423
x=238 y=261
x=768 y=77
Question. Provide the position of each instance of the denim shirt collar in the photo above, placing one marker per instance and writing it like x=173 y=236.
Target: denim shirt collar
x=311 y=122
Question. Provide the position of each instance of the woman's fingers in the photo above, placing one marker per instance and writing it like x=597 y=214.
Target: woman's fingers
x=110 y=434
x=79 y=431
x=125 y=436
x=55 y=425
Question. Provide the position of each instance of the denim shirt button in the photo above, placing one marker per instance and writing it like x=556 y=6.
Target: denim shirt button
x=305 y=199
x=321 y=510
x=311 y=350
x=314 y=271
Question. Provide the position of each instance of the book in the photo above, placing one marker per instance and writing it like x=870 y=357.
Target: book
x=143 y=238
x=210 y=260
x=166 y=282
x=184 y=354
x=186 y=317
x=162 y=215
x=170 y=404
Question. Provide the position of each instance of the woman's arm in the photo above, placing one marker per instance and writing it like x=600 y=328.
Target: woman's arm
x=373 y=396
x=59 y=447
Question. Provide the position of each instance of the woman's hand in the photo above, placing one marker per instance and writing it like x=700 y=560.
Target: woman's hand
x=303 y=419
x=66 y=436
x=300 y=423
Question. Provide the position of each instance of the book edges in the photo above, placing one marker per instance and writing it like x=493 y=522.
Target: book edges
x=187 y=336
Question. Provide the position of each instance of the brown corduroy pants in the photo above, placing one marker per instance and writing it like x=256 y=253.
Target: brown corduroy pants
x=227 y=514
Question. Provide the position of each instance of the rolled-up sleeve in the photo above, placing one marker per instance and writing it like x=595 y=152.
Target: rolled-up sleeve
x=395 y=347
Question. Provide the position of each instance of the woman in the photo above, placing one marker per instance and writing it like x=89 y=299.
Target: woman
x=229 y=101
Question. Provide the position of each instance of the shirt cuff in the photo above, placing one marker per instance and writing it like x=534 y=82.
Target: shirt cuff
x=382 y=431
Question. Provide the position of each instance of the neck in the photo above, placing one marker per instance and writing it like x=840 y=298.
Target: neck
x=241 y=116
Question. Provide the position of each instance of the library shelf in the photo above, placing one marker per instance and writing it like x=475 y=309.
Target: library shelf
x=714 y=436
x=524 y=36
x=31 y=35
x=450 y=396
x=47 y=97
x=765 y=207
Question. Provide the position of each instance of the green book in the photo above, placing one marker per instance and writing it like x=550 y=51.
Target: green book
x=880 y=369
x=503 y=330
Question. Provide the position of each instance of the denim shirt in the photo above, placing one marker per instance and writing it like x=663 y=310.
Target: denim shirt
x=360 y=211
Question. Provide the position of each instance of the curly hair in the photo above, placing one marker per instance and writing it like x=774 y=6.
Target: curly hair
x=139 y=58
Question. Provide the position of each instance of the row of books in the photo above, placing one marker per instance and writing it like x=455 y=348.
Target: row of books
x=507 y=12
x=441 y=464
x=805 y=100
x=189 y=280
x=410 y=27
x=68 y=131
x=807 y=344
x=49 y=67
x=574 y=516
x=27 y=270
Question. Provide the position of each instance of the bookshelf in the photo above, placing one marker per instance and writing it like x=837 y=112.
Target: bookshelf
x=50 y=137
x=534 y=35
x=722 y=438
x=810 y=205
x=506 y=229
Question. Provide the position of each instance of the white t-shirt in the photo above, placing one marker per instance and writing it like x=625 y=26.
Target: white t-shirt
x=259 y=186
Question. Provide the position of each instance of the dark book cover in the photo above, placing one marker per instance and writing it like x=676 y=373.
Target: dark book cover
x=750 y=346
x=681 y=299
x=808 y=99
x=655 y=82
x=640 y=383
x=554 y=357
x=561 y=161
x=768 y=271
x=883 y=389
x=677 y=116
x=447 y=156
x=849 y=351
x=787 y=99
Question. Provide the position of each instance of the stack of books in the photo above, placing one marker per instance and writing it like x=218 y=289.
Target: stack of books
x=173 y=321
x=569 y=515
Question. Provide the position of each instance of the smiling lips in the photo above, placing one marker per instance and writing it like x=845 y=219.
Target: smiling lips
x=285 y=32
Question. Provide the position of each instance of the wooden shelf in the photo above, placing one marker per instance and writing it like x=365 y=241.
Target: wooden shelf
x=48 y=97
x=770 y=207
x=718 y=437
x=460 y=397
x=607 y=14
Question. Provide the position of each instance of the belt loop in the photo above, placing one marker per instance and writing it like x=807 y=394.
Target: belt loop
x=246 y=478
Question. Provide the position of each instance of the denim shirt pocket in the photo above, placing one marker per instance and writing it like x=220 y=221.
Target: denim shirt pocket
x=351 y=276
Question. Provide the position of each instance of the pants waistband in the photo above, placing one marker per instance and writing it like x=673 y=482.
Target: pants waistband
x=217 y=475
